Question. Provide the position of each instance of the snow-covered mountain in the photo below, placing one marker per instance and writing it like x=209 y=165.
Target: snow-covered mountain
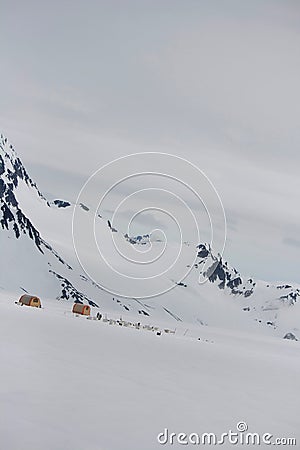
x=28 y=262
x=38 y=257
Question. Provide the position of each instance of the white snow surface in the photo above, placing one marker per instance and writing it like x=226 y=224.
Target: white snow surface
x=68 y=383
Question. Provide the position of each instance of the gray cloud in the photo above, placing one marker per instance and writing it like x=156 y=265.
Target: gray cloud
x=292 y=242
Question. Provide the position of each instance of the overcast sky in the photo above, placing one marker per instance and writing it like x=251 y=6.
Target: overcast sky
x=216 y=82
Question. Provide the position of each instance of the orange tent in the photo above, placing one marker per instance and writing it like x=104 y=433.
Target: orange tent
x=30 y=300
x=79 y=308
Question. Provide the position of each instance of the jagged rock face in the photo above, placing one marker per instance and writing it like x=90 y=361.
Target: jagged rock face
x=220 y=272
x=290 y=336
x=12 y=166
x=12 y=173
x=230 y=279
x=61 y=203
x=292 y=296
x=68 y=291
x=140 y=239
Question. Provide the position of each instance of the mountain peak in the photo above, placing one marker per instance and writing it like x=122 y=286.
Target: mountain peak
x=13 y=170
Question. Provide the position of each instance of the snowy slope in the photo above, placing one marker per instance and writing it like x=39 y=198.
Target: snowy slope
x=92 y=386
x=38 y=257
